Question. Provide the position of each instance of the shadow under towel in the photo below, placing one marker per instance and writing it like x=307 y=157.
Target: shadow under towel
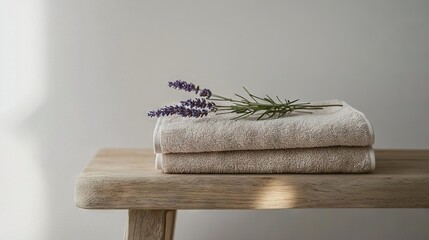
x=310 y=160
x=332 y=126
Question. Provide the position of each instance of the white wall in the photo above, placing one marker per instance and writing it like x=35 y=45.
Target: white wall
x=79 y=75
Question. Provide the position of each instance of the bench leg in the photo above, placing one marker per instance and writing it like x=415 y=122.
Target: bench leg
x=150 y=224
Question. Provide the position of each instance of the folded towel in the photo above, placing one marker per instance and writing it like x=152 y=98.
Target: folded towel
x=311 y=160
x=332 y=126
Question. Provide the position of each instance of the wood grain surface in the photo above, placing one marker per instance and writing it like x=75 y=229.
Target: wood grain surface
x=149 y=225
x=127 y=179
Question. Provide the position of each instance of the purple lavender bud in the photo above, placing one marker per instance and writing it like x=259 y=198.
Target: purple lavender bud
x=152 y=113
x=190 y=87
x=198 y=103
x=204 y=112
x=185 y=112
x=166 y=111
x=195 y=112
x=182 y=110
x=155 y=113
x=211 y=105
x=182 y=85
x=205 y=93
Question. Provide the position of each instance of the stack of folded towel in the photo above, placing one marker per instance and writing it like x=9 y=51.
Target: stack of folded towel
x=332 y=140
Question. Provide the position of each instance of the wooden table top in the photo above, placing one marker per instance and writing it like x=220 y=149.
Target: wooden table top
x=127 y=179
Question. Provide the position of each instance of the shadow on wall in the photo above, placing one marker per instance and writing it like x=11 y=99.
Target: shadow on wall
x=52 y=122
x=68 y=126
x=23 y=92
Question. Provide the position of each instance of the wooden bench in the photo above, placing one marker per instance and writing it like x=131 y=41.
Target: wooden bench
x=127 y=179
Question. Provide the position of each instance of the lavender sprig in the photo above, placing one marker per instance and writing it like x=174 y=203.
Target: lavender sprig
x=265 y=107
x=179 y=110
x=190 y=87
x=198 y=103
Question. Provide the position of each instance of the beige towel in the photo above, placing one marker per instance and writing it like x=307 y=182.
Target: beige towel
x=311 y=160
x=332 y=126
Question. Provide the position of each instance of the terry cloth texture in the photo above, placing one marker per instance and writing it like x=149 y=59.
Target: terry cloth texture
x=300 y=160
x=332 y=126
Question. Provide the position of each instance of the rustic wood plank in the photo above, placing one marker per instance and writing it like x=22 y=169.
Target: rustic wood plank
x=126 y=178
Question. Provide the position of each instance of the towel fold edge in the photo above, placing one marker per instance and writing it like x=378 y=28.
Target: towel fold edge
x=371 y=132
x=372 y=158
x=158 y=161
x=157 y=136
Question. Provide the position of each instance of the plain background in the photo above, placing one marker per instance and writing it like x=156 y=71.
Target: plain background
x=79 y=75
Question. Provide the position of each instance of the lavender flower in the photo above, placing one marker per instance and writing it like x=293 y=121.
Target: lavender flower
x=182 y=85
x=190 y=87
x=179 y=110
x=198 y=103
